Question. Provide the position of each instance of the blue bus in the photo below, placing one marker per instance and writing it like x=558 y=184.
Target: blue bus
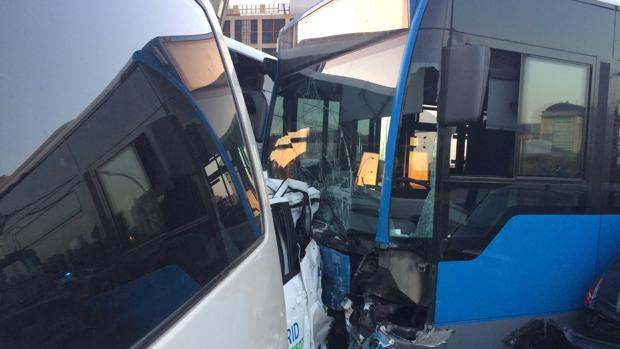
x=467 y=155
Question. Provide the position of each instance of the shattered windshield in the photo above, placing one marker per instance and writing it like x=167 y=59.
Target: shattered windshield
x=329 y=128
x=413 y=179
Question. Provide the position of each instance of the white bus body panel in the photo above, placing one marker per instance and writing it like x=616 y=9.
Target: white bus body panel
x=245 y=310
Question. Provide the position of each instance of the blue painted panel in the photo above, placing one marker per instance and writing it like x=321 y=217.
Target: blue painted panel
x=537 y=264
x=138 y=306
x=608 y=242
x=336 y=277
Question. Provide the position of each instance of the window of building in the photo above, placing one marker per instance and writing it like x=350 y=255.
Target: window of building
x=238 y=25
x=226 y=28
x=271 y=28
x=552 y=118
x=246 y=31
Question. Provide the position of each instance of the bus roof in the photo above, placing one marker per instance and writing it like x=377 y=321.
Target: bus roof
x=311 y=36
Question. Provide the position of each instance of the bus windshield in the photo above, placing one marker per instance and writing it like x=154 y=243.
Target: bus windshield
x=329 y=127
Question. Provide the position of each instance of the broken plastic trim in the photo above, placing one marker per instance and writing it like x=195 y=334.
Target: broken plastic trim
x=385 y=336
x=379 y=315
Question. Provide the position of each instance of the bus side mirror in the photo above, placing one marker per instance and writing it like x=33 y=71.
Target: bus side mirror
x=464 y=72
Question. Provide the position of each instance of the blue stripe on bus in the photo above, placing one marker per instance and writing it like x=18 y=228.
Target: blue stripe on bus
x=537 y=264
x=382 y=238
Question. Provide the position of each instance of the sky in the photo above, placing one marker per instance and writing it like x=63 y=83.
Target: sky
x=59 y=62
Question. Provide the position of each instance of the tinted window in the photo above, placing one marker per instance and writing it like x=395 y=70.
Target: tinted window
x=487 y=147
x=537 y=103
x=552 y=118
x=532 y=125
x=119 y=205
x=130 y=196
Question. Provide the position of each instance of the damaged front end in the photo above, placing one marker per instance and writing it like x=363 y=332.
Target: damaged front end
x=383 y=293
x=379 y=315
x=293 y=204
x=378 y=296
x=338 y=124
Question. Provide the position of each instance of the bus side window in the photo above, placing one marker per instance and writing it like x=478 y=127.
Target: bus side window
x=486 y=148
x=532 y=126
x=552 y=118
x=175 y=214
x=535 y=108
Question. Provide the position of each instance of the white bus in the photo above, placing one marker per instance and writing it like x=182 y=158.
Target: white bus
x=132 y=207
x=293 y=205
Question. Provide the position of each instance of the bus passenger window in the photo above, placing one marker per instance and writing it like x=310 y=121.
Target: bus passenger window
x=532 y=125
x=552 y=118
x=545 y=117
x=486 y=148
x=131 y=198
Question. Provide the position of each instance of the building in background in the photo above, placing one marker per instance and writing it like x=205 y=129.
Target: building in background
x=258 y=25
